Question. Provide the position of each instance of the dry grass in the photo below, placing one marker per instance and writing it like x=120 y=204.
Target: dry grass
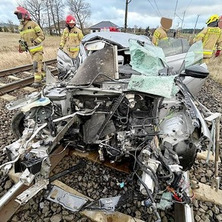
x=10 y=57
x=215 y=69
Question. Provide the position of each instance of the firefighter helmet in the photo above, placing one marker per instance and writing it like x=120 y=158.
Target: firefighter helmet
x=213 y=18
x=22 y=13
x=70 y=20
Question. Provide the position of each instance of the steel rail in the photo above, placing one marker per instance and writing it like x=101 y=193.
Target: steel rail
x=184 y=212
x=18 y=69
x=19 y=84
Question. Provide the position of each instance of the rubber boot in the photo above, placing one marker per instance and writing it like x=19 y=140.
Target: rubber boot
x=37 y=80
x=43 y=76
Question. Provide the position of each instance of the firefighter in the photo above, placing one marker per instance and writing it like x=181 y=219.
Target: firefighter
x=31 y=37
x=71 y=37
x=211 y=37
x=217 y=53
x=161 y=32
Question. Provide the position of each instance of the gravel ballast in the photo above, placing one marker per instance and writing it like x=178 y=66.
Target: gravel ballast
x=98 y=181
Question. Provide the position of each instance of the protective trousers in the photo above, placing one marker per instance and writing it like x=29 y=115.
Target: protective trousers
x=37 y=58
x=73 y=54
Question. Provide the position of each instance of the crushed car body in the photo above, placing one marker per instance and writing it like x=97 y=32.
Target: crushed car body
x=129 y=99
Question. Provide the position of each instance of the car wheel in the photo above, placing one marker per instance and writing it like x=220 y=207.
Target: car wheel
x=18 y=124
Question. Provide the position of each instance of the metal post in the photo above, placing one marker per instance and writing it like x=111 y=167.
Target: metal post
x=195 y=24
x=182 y=20
x=216 y=179
x=126 y=13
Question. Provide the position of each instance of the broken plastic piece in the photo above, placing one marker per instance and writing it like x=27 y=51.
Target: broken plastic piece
x=104 y=204
x=122 y=184
x=69 y=201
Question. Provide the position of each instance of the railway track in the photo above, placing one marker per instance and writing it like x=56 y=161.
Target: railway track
x=182 y=213
x=21 y=76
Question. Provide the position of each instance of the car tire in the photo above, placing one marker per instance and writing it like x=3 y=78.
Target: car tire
x=17 y=125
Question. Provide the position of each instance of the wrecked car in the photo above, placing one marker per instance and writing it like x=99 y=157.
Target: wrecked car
x=127 y=100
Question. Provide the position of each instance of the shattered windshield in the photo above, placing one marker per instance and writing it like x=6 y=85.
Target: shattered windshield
x=149 y=60
x=146 y=58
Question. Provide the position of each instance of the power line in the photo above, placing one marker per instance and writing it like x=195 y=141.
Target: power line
x=175 y=8
x=154 y=8
x=188 y=5
x=175 y=13
x=157 y=8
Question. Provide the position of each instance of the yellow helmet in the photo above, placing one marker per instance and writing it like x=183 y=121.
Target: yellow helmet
x=213 y=18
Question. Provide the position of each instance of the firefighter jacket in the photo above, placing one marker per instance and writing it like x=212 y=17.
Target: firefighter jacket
x=32 y=35
x=212 y=40
x=71 y=39
x=159 y=34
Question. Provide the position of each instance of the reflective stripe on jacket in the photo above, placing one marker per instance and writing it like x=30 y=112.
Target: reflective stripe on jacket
x=212 y=40
x=159 y=34
x=31 y=32
x=71 y=39
x=36 y=48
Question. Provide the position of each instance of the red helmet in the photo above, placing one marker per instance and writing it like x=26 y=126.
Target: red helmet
x=70 y=20
x=22 y=13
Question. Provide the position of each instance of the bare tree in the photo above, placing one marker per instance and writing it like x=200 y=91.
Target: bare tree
x=81 y=11
x=51 y=6
x=11 y=26
x=56 y=7
x=45 y=12
x=58 y=11
x=35 y=8
x=48 y=16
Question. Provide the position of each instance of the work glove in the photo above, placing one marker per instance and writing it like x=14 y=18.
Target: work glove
x=20 y=49
x=217 y=53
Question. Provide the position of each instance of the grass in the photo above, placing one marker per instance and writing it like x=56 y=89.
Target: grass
x=215 y=69
x=10 y=57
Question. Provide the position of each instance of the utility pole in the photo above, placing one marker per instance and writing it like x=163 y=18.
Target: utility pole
x=182 y=20
x=195 y=24
x=126 y=12
x=175 y=9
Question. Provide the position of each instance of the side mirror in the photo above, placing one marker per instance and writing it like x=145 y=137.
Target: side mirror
x=94 y=45
x=196 y=71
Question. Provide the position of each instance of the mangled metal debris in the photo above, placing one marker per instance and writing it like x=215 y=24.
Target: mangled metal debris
x=143 y=112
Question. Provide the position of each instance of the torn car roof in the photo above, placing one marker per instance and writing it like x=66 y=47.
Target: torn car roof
x=119 y=38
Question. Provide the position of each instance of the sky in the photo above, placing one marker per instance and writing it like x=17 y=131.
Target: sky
x=141 y=13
